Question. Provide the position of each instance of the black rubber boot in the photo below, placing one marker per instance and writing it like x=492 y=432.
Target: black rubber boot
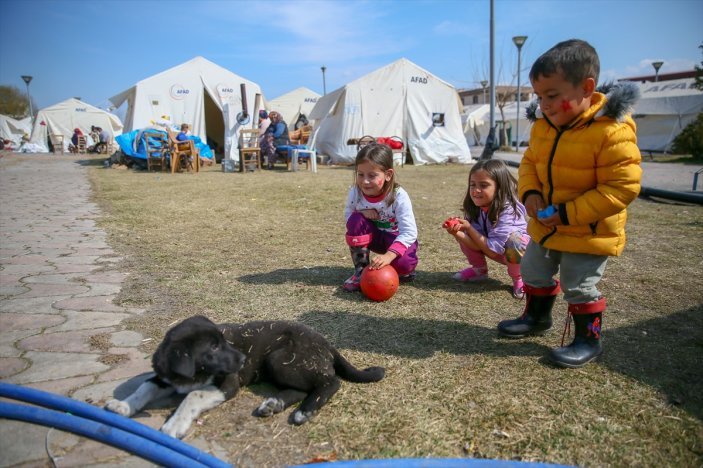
x=360 y=258
x=537 y=316
x=587 y=345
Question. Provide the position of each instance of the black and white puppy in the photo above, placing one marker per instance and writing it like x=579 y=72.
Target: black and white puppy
x=209 y=363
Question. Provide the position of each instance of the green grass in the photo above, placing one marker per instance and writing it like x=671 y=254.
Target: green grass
x=270 y=245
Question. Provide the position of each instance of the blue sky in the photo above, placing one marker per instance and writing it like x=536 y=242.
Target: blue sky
x=96 y=49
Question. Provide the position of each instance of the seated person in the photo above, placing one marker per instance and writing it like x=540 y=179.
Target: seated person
x=183 y=135
x=103 y=138
x=73 y=147
x=276 y=135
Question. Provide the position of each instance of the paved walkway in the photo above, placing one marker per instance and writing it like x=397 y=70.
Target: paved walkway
x=60 y=330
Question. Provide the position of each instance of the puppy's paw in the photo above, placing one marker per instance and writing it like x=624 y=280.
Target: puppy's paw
x=176 y=427
x=269 y=407
x=301 y=417
x=119 y=407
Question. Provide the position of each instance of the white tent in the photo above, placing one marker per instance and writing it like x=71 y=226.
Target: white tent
x=665 y=108
x=400 y=99
x=197 y=92
x=477 y=122
x=292 y=104
x=62 y=118
x=13 y=129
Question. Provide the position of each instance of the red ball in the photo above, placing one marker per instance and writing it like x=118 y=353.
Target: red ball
x=379 y=285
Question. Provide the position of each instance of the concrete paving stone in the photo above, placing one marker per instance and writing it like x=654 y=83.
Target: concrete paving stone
x=87 y=320
x=32 y=305
x=136 y=363
x=67 y=342
x=11 y=366
x=91 y=303
x=26 y=260
x=113 y=259
x=12 y=321
x=101 y=289
x=64 y=278
x=73 y=259
x=51 y=366
x=23 y=443
x=63 y=386
x=11 y=278
x=125 y=338
x=78 y=250
x=89 y=452
x=75 y=268
x=43 y=290
x=27 y=269
x=8 y=253
x=13 y=289
x=100 y=393
x=9 y=339
x=106 y=277
x=53 y=252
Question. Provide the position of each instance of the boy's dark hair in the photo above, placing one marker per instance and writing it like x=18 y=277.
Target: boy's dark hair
x=381 y=156
x=506 y=190
x=575 y=59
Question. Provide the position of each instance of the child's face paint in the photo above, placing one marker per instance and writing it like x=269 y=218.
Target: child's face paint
x=370 y=178
x=560 y=100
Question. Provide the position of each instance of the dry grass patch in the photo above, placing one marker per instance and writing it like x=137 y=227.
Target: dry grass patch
x=270 y=245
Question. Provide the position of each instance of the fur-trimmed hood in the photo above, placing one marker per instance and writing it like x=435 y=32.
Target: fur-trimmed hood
x=619 y=101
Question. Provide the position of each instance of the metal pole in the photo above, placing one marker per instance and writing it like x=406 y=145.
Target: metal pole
x=27 y=79
x=519 y=41
x=492 y=79
x=657 y=66
x=324 y=85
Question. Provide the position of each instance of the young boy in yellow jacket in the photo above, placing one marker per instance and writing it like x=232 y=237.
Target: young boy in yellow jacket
x=581 y=170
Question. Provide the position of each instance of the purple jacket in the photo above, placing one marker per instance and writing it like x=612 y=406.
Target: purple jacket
x=507 y=223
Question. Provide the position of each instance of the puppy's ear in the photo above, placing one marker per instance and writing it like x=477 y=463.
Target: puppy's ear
x=184 y=365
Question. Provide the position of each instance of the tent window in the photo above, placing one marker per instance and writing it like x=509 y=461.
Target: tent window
x=438 y=119
x=154 y=103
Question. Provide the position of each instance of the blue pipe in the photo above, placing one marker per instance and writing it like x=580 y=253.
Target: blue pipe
x=144 y=448
x=84 y=410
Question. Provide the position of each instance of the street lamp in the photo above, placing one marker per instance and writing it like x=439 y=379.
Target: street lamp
x=324 y=85
x=27 y=79
x=657 y=66
x=484 y=83
x=518 y=41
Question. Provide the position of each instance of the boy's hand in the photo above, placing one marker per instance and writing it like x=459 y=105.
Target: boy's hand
x=534 y=203
x=553 y=220
x=379 y=261
x=369 y=214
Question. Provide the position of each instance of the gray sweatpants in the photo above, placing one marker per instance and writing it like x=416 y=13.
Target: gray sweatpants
x=579 y=275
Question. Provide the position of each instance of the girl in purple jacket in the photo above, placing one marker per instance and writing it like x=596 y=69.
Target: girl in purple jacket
x=494 y=224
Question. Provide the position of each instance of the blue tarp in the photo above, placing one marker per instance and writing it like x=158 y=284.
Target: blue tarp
x=126 y=142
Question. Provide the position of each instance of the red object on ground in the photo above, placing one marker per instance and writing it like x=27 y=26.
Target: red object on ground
x=451 y=222
x=379 y=285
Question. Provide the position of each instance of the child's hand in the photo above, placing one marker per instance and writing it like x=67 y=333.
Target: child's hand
x=370 y=214
x=379 y=261
x=553 y=220
x=454 y=225
x=534 y=203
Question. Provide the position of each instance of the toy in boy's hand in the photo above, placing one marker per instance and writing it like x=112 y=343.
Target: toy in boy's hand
x=547 y=212
x=451 y=222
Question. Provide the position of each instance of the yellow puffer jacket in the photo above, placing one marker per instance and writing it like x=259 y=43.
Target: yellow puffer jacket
x=590 y=171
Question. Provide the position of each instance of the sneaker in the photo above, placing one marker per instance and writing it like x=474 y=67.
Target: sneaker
x=353 y=283
x=471 y=274
x=518 y=289
x=409 y=278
